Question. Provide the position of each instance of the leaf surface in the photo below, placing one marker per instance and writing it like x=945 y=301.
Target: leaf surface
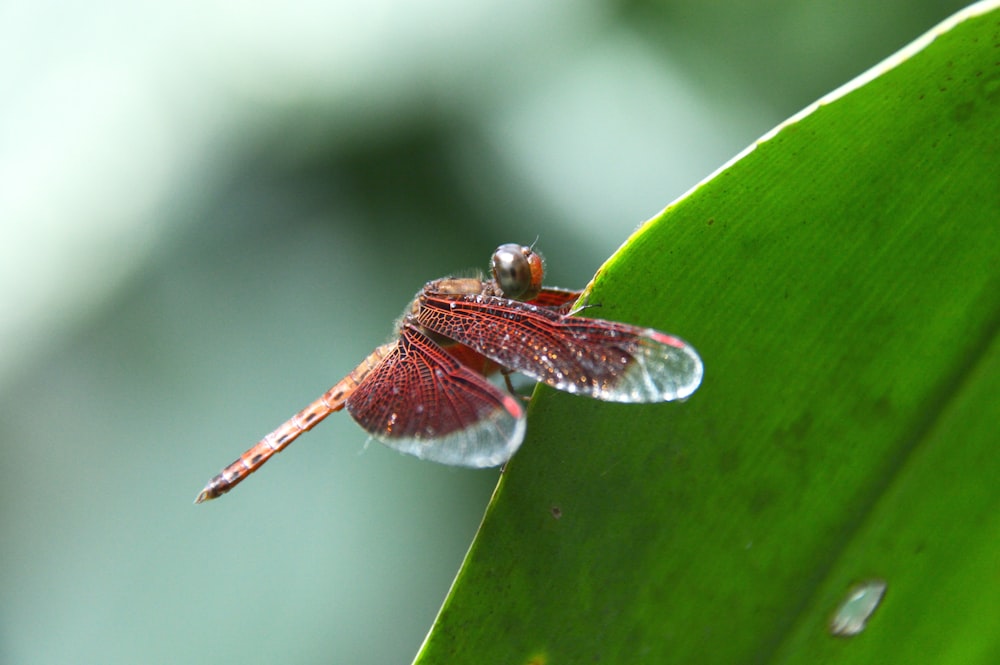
x=841 y=281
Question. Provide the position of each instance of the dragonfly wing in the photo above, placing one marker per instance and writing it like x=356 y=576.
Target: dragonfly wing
x=422 y=401
x=555 y=298
x=477 y=362
x=610 y=361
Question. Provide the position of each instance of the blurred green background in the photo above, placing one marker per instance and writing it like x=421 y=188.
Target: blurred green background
x=212 y=212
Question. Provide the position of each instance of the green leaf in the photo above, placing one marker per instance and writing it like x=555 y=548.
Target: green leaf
x=842 y=284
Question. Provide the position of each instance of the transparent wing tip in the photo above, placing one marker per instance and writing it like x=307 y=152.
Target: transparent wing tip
x=664 y=369
x=688 y=370
x=489 y=442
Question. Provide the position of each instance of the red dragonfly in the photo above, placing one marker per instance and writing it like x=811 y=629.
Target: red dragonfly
x=425 y=393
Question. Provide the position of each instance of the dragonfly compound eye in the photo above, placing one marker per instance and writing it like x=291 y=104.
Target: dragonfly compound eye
x=518 y=271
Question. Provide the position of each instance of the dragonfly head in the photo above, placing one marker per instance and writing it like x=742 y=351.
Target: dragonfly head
x=518 y=270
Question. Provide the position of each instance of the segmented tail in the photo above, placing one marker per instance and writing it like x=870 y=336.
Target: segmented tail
x=303 y=421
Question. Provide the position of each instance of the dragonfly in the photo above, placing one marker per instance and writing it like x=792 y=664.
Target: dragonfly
x=426 y=392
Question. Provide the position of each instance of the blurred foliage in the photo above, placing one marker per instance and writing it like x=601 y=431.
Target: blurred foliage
x=211 y=213
x=787 y=53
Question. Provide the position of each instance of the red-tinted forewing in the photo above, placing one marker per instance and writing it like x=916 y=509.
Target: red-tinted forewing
x=477 y=362
x=610 y=361
x=422 y=401
x=554 y=298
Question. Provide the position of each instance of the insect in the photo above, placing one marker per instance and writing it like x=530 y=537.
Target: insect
x=426 y=394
